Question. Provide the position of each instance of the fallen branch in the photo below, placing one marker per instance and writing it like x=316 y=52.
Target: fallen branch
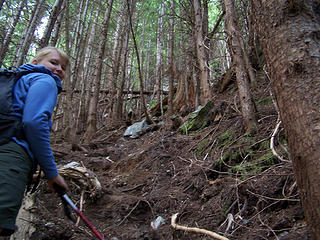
x=194 y=229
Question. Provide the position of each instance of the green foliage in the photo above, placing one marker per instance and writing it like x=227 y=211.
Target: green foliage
x=152 y=104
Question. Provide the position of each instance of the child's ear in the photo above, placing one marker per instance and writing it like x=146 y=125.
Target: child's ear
x=34 y=62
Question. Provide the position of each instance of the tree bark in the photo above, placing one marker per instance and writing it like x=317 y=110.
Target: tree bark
x=170 y=58
x=8 y=36
x=246 y=100
x=119 y=96
x=51 y=22
x=67 y=104
x=158 y=85
x=205 y=91
x=57 y=28
x=94 y=96
x=115 y=61
x=87 y=81
x=289 y=35
x=28 y=37
x=143 y=101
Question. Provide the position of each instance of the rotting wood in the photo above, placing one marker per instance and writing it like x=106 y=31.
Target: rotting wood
x=194 y=229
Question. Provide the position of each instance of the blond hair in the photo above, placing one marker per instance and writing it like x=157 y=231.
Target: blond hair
x=49 y=49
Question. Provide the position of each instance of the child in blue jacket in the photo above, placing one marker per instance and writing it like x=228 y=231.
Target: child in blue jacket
x=34 y=99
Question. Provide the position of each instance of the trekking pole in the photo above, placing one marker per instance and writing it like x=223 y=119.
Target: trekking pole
x=62 y=193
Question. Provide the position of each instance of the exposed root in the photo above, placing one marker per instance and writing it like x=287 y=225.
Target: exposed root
x=272 y=144
x=194 y=229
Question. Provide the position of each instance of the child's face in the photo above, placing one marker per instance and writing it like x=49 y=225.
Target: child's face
x=54 y=62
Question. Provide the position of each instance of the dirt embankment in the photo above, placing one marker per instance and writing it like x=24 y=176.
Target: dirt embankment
x=216 y=179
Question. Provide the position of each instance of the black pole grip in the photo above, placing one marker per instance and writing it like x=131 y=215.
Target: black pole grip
x=60 y=190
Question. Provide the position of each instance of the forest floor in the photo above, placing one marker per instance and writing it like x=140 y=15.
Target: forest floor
x=209 y=178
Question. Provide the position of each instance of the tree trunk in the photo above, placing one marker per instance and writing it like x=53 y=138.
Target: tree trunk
x=121 y=61
x=119 y=99
x=28 y=37
x=143 y=102
x=158 y=85
x=8 y=36
x=115 y=61
x=56 y=31
x=94 y=96
x=67 y=104
x=205 y=91
x=56 y=10
x=87 y=81
x=246 y=100
x=170 y=58
x=289 y=35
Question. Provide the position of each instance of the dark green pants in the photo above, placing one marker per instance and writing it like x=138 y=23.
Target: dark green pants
x=15 y=171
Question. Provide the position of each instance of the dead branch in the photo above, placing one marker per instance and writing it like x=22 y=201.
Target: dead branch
x=194 y=229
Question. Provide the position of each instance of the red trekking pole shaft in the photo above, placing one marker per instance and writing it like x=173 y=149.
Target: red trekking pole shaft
x=74 y=207
x=63 y=195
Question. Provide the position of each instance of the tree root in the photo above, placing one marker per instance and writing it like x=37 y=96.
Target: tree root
x=194 y=229
x=272 y=144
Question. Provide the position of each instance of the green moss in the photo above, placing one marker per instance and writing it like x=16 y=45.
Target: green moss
x=268 y=159
x=203 y=145
x=226 y=138
x=254 y=166
x=198 y=120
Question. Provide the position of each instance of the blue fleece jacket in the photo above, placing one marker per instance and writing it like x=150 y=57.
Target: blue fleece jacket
x=35 y=96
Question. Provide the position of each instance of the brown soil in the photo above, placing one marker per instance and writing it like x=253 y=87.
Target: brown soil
x=163 y=172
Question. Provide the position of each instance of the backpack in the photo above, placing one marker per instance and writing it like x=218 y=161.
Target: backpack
x=10 y=125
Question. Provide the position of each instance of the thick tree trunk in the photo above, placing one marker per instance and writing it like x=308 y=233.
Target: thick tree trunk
x=289 y=35
x=205 y=91
x=246 y=100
